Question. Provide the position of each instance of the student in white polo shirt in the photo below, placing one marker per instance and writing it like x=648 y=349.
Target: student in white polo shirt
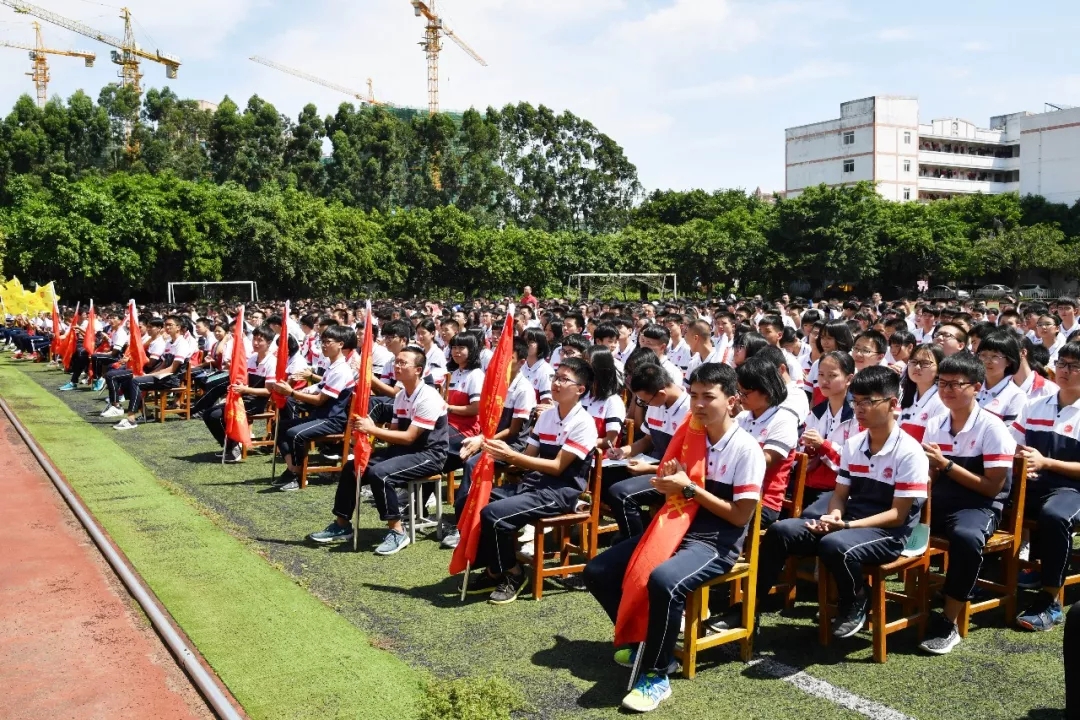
x=261 y=369
x=626 y=343
x=829 y=425
x=1048 y=432
x=656 y=338
x=1066 y=310
x=999 y=352
x=536 y=369
x=627 y=489
x=879 y=493
x=166 y=374
x=701 y=347
x=678 y=349
x=971 y=455
x=1029 y=377
x=557 y=462
x=920 y=401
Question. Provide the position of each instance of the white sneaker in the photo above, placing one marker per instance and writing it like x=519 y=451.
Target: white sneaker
x=125 y=424
x=111 y=412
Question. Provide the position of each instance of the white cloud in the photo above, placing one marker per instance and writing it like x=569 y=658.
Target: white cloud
x=896 y=34
x=757 y=84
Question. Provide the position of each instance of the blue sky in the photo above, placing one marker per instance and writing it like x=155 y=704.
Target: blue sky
x=698 y=92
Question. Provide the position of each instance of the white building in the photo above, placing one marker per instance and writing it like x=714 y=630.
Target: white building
x=881 y=139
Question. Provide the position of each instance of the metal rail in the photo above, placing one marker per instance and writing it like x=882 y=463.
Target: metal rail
x=206 y=683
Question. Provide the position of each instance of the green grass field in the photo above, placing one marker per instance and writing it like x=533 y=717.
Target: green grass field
x=226 y=554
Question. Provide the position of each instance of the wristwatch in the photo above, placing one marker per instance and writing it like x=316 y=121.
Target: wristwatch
x=689 y=491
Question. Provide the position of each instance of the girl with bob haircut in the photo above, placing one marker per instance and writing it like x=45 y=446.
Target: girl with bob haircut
x=602 y=400
x=762 y=393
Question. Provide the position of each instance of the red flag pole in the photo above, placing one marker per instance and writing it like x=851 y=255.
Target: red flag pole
x=237 y=428
x=492 y=399
x=282 y=376
x=360 y=408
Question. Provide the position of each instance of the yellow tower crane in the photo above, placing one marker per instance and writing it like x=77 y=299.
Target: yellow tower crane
x=369 y=99
x=432 y=45
x=39 y=56
x=126 y=55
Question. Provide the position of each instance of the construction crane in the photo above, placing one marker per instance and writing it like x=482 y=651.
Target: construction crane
x=39 y=56
x=432 y=45
x=368 y=99
x=126 y=55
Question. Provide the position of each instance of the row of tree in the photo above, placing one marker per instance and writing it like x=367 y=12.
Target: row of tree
x=129 y=234
x=118 y=197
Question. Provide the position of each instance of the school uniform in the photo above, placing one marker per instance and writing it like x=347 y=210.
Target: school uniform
x=898 y=469
x=435 y=370
x=519 y=404
x=626 y=494
x=539 y=375
x=915 y=417
x=391 y=467
x=538 y=495
x=679 y=353
x=794 y=367
x=622 y=355
x=1036 y=386
x=672 y=370
x=810 y=384
x=178 y=349
x=776 y=429
x=258 y=374
x=835 y=429
x=296 y=431
x=1052 y=499
x=607 y=414
x=964 y=517
x=1059 y=342
x=923 y=336
x=101 y=362
x=1005 y=400
x=311 y=348
x=465 y=388
x=735 y=468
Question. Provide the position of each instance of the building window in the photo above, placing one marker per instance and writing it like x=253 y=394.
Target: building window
x=907 y=193
x=907 y=137
x=849 y=166
x=907 y=166
x=849 y=137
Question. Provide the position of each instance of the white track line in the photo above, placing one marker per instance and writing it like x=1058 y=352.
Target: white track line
x=828 y=691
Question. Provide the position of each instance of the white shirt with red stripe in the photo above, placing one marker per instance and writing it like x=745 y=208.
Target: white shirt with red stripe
x=913 y=419
x=338 y=378
x=608 y=414
x=1036 y=386
x=776 y=429
x=465 y=389
x=520 y=397
x=267 y=369
x=539 y=376
x=576 y=433
x=1005 y=399
x=423 y=408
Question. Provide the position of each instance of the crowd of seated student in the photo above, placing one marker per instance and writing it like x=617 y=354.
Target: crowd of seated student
x=880 y=396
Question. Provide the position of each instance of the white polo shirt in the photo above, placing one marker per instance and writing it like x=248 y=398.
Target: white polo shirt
x=899 y=469
x=984 y=442
x=539 y=376
x=680 y=354
x=576 y=434
x=1005 y=399
x=662 y=422
x=913 y=419
x=735 y=470
x=1055 y=432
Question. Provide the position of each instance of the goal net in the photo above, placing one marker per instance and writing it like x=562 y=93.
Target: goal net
x=189 y=292
x=622 y=286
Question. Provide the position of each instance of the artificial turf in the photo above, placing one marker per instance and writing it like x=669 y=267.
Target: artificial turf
x=557 y=650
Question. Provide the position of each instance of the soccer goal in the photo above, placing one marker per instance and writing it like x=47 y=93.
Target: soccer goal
x=226 y=290
x=622 y=286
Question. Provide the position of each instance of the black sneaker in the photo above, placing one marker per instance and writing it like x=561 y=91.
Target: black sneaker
x=287 y=476
x=941 y=637
x=480 y=583
x=508 y=590
x=728 y=621
x=851 y=619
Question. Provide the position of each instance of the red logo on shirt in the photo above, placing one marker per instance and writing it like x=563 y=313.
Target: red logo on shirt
x=723 y=469
x=887 y=473
x=1068 y=428
x=925 y=416
x=764 y=433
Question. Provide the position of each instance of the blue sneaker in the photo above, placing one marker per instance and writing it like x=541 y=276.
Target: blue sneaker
x=392 y=543
x=66 y=386
x=333 y=533
x=99 y=385
x=649 y=691
x=1029 y=580
x=1041 y=615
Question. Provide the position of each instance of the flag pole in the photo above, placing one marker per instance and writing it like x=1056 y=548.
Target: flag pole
x=273 y=462
x=465 y=581
x=637 y=666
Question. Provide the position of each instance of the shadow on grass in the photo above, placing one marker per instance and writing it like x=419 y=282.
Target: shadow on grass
x=1044 y=714
x=591 y=661
x=445 y=593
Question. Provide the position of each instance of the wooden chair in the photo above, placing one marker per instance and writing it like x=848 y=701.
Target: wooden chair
x=1004 y=542
x=267 y=439
x=182 y=394
x=586 y=520
x=605 y=511
x=914 y=600
x=743 y=578
x=306 y=468
x=416 y=518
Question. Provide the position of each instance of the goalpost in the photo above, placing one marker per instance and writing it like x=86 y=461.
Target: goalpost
x=605 y=285
x=252 y=288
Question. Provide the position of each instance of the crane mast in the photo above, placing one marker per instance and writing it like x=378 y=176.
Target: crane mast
x=39 y=71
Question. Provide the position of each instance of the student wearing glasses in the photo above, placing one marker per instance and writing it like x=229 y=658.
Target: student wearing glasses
x=971 y=454
x=557 y=464
x=880 y=488
x=999 y=352
x=1048 y=332
x=869 y=350
x=951 y=338
x=627 y=489
x=1048 y=433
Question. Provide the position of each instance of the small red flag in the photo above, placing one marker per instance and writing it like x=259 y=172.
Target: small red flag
x=137 y=359
x=282 y=357
x=68 y=347
x=492 y=399
x=54 y=346
x=89 y=338
x=662 y=537
x=237 y=427
x=362 y=397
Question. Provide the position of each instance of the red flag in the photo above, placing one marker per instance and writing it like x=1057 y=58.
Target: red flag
x=362 y=397
x=662 y=537
x=282 y=357
x=68 y=348
x=237 y=427
x=492 y=399
x=90 y=340
x=54 y=346
x=137 y=359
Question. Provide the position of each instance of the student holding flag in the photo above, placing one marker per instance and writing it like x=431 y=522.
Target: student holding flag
x=711 y=475
x=246 y=392
x=136 y=360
